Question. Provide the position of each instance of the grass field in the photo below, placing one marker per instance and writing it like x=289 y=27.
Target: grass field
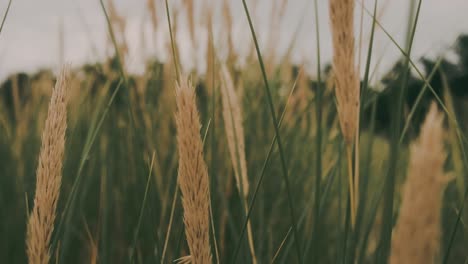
x=256 y=164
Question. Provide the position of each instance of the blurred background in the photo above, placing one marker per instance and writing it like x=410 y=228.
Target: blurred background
x=76 y=31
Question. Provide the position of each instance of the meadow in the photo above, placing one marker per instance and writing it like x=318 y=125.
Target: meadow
x=262 y=163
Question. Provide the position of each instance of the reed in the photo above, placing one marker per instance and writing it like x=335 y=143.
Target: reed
x=193 y=175
x=49 y=174
x=232 y=116
x=416 y=236
x=347 y=84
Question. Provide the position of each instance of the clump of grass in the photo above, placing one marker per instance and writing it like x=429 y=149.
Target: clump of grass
x=49 y=174
x=347 y=83
x=193 y=175
x=417 y=233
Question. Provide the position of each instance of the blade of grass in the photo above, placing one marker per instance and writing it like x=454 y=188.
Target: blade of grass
x=465 y=196
x=372 y=215
x=214 y=233
x=360 y=195
x=453 y=129
x=277 y=133
x=213 y=134
x=418 y=99
x=174 y=53
x=70 y=204
x=318 y=139
x=171 y=220
x=413 y=65
x=278 y=251
x=454 y=231
x=114 y=42
x=140 y=217
x=387 y=225
x=330 y=179
x=262 y=174
x=5 y=16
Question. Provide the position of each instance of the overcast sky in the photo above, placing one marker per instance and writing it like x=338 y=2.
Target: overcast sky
x=30 y=37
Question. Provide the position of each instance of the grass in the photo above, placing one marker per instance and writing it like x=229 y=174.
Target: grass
x=120 y=200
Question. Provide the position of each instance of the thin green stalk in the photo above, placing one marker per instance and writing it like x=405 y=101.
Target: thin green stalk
x=5 y=16
x=262 y=175
x=213 y=137
x=171 y=220
x=318 y=140
x=277 y=133
x=174 y=53
x=454 y=231
x=419 y=99
x=387 y=224
x=140 y=217
x=413 y=65
x=114 y=42
x=70 y=205
x=360 y=199
x=278 y=251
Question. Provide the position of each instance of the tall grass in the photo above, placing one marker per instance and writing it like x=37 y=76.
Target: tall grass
x=253 y=162
x=193 y=175
x=49 y=174
x=347 y=86
x=416 y=239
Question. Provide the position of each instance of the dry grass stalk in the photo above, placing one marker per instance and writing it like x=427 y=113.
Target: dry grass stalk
x=416 y=236
x=228 y=23
x=210 y=52
x=193 y=174
x=120 y=25
x=347 y=82
x=49 y=174
x=191 y=18
x=153 y=14
x=232 y=116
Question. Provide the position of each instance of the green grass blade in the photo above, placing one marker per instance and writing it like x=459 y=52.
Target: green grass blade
x=173 y=47
x=278 y=251
x=387 y=225
x=116 y=46
x=277 y=133
x=140 y=217
x=361 y=195
x=262 y=175
x=5 y=16
x=318 y=140
x=70 y=205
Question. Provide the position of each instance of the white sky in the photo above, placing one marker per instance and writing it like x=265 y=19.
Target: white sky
x=30 y=37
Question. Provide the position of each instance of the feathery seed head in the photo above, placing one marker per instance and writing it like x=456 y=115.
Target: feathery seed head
x=346 y=75
x=232 y=116
x=193 y=174
x=416 y=236
x=49 y=174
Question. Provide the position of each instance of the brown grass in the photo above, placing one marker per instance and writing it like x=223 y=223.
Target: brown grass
x=416 y=236
x=347 y=82
x=191 y=18
x=151 y=5
x=49 y=174
x=232 y=115
x=193 y=175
